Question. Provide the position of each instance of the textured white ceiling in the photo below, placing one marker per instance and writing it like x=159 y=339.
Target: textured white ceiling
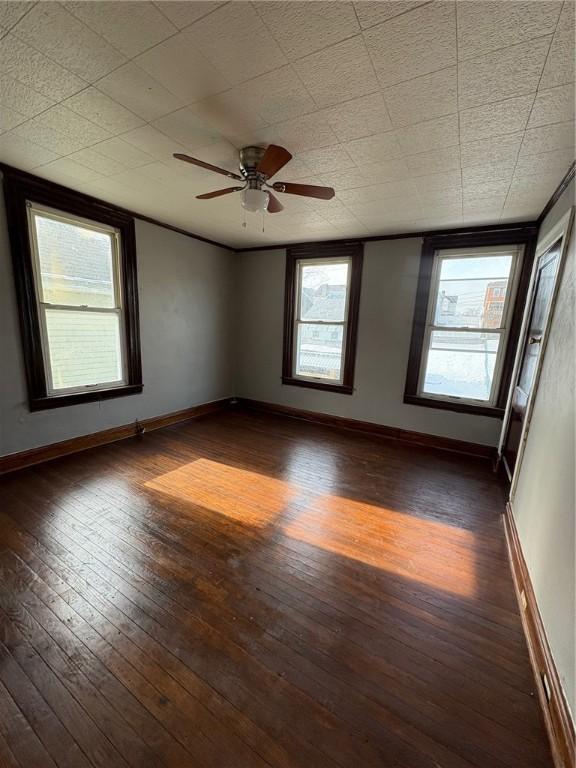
x=421 y=115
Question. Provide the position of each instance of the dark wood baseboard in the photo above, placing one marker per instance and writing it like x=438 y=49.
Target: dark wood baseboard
x=554 y=706
x=23 y=459
x=379 y=430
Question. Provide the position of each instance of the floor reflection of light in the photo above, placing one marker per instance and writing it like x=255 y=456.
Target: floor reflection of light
x=419 y=549
x=239 y=494
x=422 y=550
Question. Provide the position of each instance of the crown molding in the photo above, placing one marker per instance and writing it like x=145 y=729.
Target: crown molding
x=522 y=225
x=560 y=189
x=59 y=189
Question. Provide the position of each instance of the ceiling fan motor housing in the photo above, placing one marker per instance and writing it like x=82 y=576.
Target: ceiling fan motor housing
x=249 y=159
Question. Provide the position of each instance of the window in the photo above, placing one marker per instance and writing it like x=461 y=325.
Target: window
x=466 y=323
x=322 y=298
x=77 y=279
x=75 y=266
x=467 y=326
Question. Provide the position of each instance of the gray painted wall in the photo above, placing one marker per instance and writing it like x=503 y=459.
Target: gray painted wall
x=387 y=299
x=185 y=291
x=544 y=503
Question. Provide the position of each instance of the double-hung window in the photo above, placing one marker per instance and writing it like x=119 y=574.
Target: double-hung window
x=465 y=318
x=322 y=296
x=467 y=326
x=77 y=278
x=75 y=269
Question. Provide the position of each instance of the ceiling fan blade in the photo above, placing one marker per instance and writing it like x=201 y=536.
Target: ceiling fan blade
x=218 y=193
x=273 y=160
x=306 y=190
x=207 y=166
x=274 y=205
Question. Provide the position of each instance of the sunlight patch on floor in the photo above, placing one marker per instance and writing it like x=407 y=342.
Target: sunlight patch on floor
x=411 y=546
x=239 y=494
x=422 y=550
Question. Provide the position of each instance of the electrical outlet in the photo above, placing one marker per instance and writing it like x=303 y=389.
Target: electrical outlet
x=546 y=686
x=523 y=600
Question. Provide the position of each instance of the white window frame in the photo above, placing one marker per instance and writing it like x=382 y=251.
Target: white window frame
x=440 y=255
x=34 y=209
x=300 y=263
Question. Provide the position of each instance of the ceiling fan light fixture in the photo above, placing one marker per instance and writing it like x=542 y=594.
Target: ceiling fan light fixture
x=255 y=200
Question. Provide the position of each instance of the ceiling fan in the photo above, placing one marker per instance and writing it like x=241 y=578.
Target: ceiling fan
x=257 y=166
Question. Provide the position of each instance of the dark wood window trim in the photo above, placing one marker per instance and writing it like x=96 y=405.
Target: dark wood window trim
x=526 y=237
x=353 y=250
x=19 y=188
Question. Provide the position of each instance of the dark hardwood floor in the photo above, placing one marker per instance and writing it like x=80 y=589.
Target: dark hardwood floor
x=247 y=591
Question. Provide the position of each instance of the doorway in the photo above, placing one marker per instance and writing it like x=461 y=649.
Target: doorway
x=525 y=378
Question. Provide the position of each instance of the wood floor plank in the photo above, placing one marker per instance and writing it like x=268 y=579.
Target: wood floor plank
x=252 y=591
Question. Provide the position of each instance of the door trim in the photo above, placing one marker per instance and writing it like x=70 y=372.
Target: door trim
x=560 y=231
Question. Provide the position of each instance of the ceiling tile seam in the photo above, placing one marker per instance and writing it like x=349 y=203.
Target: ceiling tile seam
x=9 y=29
x=110 y=98
x=512 y=45
x=37 y=50
x=29 y=87
x=50 y=58
x=13 y=132
x=232 y=87
x=62 y=103
x=552 y=36
x=151 y=124
x=521 y=130
x=272 y=35
x=94 y=146
x=318 y=50
x=416 y=77
x=508 y=47
x=112 y=45
x=451 y=66
x=361 y=33
x=458 y=107
x=398 y=15
x=127 y=60
x=158 y=5
x=43 y=54
x=376 y=78
x=131 y=60
x=291 y=63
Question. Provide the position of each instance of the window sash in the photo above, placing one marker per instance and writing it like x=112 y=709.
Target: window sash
x=502 y=331
x=33 y=211
x=300 y=263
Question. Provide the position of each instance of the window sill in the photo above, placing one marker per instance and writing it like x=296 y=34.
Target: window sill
x=447 y=405
x=60 y=401
x=342 y=389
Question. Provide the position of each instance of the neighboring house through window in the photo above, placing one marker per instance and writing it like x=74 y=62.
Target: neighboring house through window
x=75 y=265
x=321 y=316
x=465 y=325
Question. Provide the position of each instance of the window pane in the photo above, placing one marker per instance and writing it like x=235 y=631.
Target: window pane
x=461 y=364
x=319 y=351
x=472 y=291
x=76 y=264
x=323 y=291
x=84 y=347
